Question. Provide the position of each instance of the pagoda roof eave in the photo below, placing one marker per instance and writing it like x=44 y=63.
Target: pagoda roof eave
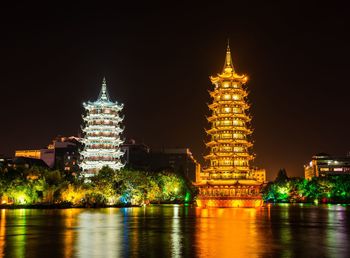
x=232 y=182
x=231 y=76
x=97 y=103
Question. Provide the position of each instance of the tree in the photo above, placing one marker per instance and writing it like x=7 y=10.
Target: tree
x=281 y=176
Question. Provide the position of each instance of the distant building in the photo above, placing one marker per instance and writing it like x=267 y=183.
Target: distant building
x=139 y=156
x=26 y=162
x=62 y=154
x=66 y=151
x=46 y=155
x=5 y=161
x=323 y=164
x=136 y=155
x=179 y=160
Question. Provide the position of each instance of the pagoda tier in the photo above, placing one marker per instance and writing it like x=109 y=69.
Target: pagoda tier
x=225 y=182
x=102 y=131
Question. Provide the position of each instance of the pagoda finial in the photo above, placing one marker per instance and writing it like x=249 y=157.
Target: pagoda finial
x=228 y=67
x=104 y=93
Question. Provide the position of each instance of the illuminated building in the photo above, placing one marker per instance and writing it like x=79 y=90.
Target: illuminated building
x=227 y=181
x=62 y=154
x=46 y=155
x=259 y=174
x=323 y=165
x=102 y=133
x=35 y=154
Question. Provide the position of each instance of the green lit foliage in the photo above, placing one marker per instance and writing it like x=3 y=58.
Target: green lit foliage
x=172 y=187
x=22 y=191
x=330 y=189
x=279 y=190
x=108 y=187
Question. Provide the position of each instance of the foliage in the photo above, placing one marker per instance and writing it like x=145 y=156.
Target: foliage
x=330 y=189
x=108 y=187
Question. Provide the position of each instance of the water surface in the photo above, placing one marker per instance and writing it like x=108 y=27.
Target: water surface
x=177 y=231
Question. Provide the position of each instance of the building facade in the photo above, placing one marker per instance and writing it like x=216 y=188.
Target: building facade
x=46 y=155
x=102 y=134
x=259 y=174
x=66 y=153
x=324 y=165
x=136 y=155
x=227 y=180
x=62 y=154
x=178 y=160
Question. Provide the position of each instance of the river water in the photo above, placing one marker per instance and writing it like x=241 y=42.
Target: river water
x=177 y=231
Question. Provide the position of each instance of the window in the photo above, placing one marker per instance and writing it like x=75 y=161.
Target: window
x=238 y=136
x=226 y=122
x=226 y=136
x=236 y=97
x=237 y=122
x=238 y=149
x=226 y=85
x=226 y=110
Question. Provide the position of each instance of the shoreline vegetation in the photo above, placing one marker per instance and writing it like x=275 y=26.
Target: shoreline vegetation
x=39 y=188
x=42 y=188
x=71 y=206
x=331 y=189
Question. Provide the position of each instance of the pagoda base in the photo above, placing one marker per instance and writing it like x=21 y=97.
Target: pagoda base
x=229 y=202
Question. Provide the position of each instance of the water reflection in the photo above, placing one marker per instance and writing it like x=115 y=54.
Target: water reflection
x=335 y=242
x=2 y=231
x=227 y=232
x=99 y=233
x=70 y=221
x=177 y=231
x=176 y=234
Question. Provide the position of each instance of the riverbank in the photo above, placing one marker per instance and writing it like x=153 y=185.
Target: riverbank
x=70 y=205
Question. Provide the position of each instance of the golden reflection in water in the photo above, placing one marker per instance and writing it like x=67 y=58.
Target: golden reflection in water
x=176 y=234
x=235 y=227
x=99 y=233
x=2 y=232
x=20 y=233
x=70 y=221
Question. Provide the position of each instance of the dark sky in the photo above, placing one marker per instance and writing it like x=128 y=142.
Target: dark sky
x=157 y=61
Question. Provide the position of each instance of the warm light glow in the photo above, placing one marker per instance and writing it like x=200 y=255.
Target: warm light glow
x=238 y=236
x=228 y=182
x=35 y=154
x=2 y=231
x=238 y=203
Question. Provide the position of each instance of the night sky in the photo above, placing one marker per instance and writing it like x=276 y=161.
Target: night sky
x=157 y=61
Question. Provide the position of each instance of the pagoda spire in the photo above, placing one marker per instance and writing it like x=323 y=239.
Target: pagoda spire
x=228 y=67
x=104 y=93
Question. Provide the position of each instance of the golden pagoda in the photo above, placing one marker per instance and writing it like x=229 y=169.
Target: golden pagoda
x=227 y=180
